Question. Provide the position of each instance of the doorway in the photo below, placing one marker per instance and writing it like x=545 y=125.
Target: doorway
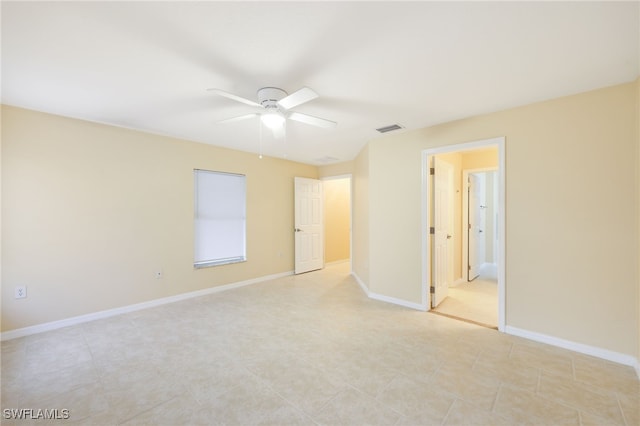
x=478 y=270
x=479 y=222
x=322 y=222
x=337 y=219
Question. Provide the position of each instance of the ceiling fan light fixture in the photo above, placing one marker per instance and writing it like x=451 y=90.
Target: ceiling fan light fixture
x=273 y=120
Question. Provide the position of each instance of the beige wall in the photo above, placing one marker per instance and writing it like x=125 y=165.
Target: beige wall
x=337 y=210
x=638 y=211
x=338 y=169
x=91 y=211
x=360 y=227
x=337 y=219
x=1 y=235
x=571 y=262
x=480 y=159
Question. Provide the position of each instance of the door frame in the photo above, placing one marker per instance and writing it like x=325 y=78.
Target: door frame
x=465 y=215
x=427 y=154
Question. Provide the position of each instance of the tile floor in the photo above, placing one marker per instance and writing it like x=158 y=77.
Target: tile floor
x=474 y=301
x=308 y=349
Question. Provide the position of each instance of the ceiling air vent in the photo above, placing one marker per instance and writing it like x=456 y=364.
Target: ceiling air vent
x=390 y=128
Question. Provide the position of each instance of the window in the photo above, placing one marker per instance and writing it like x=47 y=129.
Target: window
x=220 y=218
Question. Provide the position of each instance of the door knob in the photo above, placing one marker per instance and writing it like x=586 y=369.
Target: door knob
x=297 y=230
x=448 y=237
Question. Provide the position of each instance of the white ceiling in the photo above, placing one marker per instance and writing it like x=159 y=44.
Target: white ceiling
x=147 y=65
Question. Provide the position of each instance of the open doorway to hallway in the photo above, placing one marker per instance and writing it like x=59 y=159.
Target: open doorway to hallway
x=465 y=217
x=474 y=297
x=337 y=219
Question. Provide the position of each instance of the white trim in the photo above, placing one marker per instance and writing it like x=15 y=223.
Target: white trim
x=502 y=232
x=426 y=180
x=54 y=325
x=466 y=146
x=426 y=240
x=343 y=176
x=616 y=357
x=361 y=283
x=383 y=298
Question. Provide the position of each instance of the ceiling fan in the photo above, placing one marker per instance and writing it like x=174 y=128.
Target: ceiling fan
x=276 y=105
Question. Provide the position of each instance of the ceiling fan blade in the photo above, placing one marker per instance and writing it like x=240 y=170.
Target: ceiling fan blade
x=310 y=119
x=297 y=98
x=234 y=97
x=239 y=118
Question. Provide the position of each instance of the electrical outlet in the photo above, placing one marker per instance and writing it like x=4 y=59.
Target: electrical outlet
x=159 y=275
x=21 y=292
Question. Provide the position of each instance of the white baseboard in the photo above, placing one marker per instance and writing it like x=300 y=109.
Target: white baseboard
x=54 y=325
x=406 y=304
x=616 y=357
x=360 y=283
x=387 y=299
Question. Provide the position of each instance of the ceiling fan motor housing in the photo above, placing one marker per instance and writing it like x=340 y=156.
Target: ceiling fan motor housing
x=268 y=97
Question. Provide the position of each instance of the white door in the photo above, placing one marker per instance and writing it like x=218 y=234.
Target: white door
x=308 y=225
x=477 y=219
x=442 y=227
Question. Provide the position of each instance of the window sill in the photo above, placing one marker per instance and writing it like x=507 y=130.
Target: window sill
x=210 y=263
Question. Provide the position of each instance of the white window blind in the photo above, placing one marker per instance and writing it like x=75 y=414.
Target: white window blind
x=220 y=218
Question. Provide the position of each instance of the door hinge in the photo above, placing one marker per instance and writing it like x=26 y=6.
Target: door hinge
x=432 y=230
x=468 y=267
x=432 y=171
x=432 y=289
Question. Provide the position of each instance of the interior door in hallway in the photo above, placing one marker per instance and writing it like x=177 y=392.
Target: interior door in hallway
x=476 y=228
x=442 y=230
x=308 y=225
